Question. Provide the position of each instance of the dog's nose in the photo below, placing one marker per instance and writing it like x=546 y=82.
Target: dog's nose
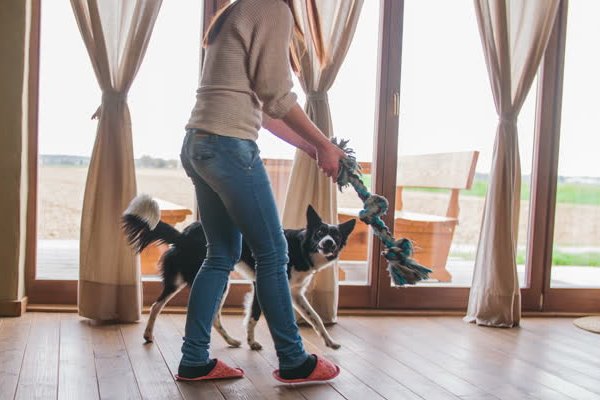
x=329 y=244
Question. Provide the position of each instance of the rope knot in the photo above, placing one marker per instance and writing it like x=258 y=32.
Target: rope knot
x=402 y=268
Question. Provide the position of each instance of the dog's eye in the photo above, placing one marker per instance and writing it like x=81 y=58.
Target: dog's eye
x=322 y=232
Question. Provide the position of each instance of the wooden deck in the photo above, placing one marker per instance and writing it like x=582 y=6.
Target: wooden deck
x=59 y=259
x=49 y=356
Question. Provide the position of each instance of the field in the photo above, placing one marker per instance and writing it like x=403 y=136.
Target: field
x=577 y=216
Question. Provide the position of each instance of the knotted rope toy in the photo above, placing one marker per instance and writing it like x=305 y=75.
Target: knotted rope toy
x=402 y=268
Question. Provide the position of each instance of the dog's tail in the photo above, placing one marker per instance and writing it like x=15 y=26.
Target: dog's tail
x=142 y=225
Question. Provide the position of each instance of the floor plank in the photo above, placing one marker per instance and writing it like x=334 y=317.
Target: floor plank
x=116 y=379
x=39 y=371
x=76 y=368
x=526 y=352
x=14 y=334
x=152 y=374
x=406 y=352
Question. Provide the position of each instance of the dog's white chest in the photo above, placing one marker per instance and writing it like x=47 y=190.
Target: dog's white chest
x=319 y=261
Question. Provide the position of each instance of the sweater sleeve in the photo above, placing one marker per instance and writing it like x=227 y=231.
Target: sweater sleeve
x=269 y=65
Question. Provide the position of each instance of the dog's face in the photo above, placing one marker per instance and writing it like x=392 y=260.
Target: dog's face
x=327 y=240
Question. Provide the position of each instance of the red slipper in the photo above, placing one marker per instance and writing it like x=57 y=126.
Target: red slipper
x=324 y=371
x=220 y=371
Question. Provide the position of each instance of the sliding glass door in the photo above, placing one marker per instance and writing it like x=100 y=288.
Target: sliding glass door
x=414 y=99
x=439 y=171
x=573 y=242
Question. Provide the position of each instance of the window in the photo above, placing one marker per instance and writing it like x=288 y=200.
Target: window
x=160 y=101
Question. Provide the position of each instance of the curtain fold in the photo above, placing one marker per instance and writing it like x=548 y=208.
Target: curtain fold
x=514 y=35
x=328 y=27
x=116 y=34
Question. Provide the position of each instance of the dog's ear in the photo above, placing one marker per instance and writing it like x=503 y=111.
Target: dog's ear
x=347 y=227
x=312 y=218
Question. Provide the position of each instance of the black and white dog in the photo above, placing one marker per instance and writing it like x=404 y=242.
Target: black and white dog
x=310 y=250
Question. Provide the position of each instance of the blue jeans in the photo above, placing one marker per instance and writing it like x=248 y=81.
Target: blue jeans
x=235 y=198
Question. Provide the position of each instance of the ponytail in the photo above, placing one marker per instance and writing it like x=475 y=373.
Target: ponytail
x=217 y=23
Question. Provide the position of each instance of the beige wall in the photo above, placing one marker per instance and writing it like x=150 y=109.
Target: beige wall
x=14 y=43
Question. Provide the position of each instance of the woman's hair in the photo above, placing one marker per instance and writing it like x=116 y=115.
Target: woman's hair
x=297 y=45
x=217 y=23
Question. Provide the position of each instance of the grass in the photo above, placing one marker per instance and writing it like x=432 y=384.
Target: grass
x=559 y=258
x=567 y=193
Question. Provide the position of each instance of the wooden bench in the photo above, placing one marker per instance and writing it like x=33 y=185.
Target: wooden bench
x=431 y=234
x=171 y=214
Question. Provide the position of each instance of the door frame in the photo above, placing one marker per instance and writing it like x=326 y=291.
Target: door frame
x=585 y=300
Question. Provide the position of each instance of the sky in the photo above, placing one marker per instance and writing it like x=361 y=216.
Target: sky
x=445 y=104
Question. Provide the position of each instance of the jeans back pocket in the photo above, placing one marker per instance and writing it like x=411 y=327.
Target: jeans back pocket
x=244 y=153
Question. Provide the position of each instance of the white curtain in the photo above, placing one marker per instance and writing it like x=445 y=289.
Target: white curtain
x=116 y=35
x=514 y=35
x=332 y=23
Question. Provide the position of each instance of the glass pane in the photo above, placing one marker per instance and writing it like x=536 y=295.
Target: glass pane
x=448 y=124
x=68 y=96
x=576 y=251
x=160 y=101
x=352 y=100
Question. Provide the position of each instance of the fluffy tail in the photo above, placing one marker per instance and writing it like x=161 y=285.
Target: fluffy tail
x=142 y=224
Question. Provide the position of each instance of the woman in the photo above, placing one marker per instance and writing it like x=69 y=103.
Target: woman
x=246 y=82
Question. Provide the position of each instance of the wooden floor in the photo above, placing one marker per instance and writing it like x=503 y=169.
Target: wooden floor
x=49 y=356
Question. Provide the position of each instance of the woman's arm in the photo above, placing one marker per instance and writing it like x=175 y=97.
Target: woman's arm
x=280 y=129
x=328 y=154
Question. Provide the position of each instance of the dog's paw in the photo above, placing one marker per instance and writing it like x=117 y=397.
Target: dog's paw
x=255 y=346
x=333 y=345
x=233 y=342
x=148 y=337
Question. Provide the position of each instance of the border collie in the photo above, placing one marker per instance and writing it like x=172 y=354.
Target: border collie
x=310 y=250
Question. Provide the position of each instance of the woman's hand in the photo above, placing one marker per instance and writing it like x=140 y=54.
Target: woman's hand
x=328 y=159
x=328 y=155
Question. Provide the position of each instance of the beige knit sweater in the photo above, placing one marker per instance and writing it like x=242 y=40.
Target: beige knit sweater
x=246 y=71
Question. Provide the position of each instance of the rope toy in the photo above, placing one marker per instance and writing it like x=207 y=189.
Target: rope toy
x=402 y=268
